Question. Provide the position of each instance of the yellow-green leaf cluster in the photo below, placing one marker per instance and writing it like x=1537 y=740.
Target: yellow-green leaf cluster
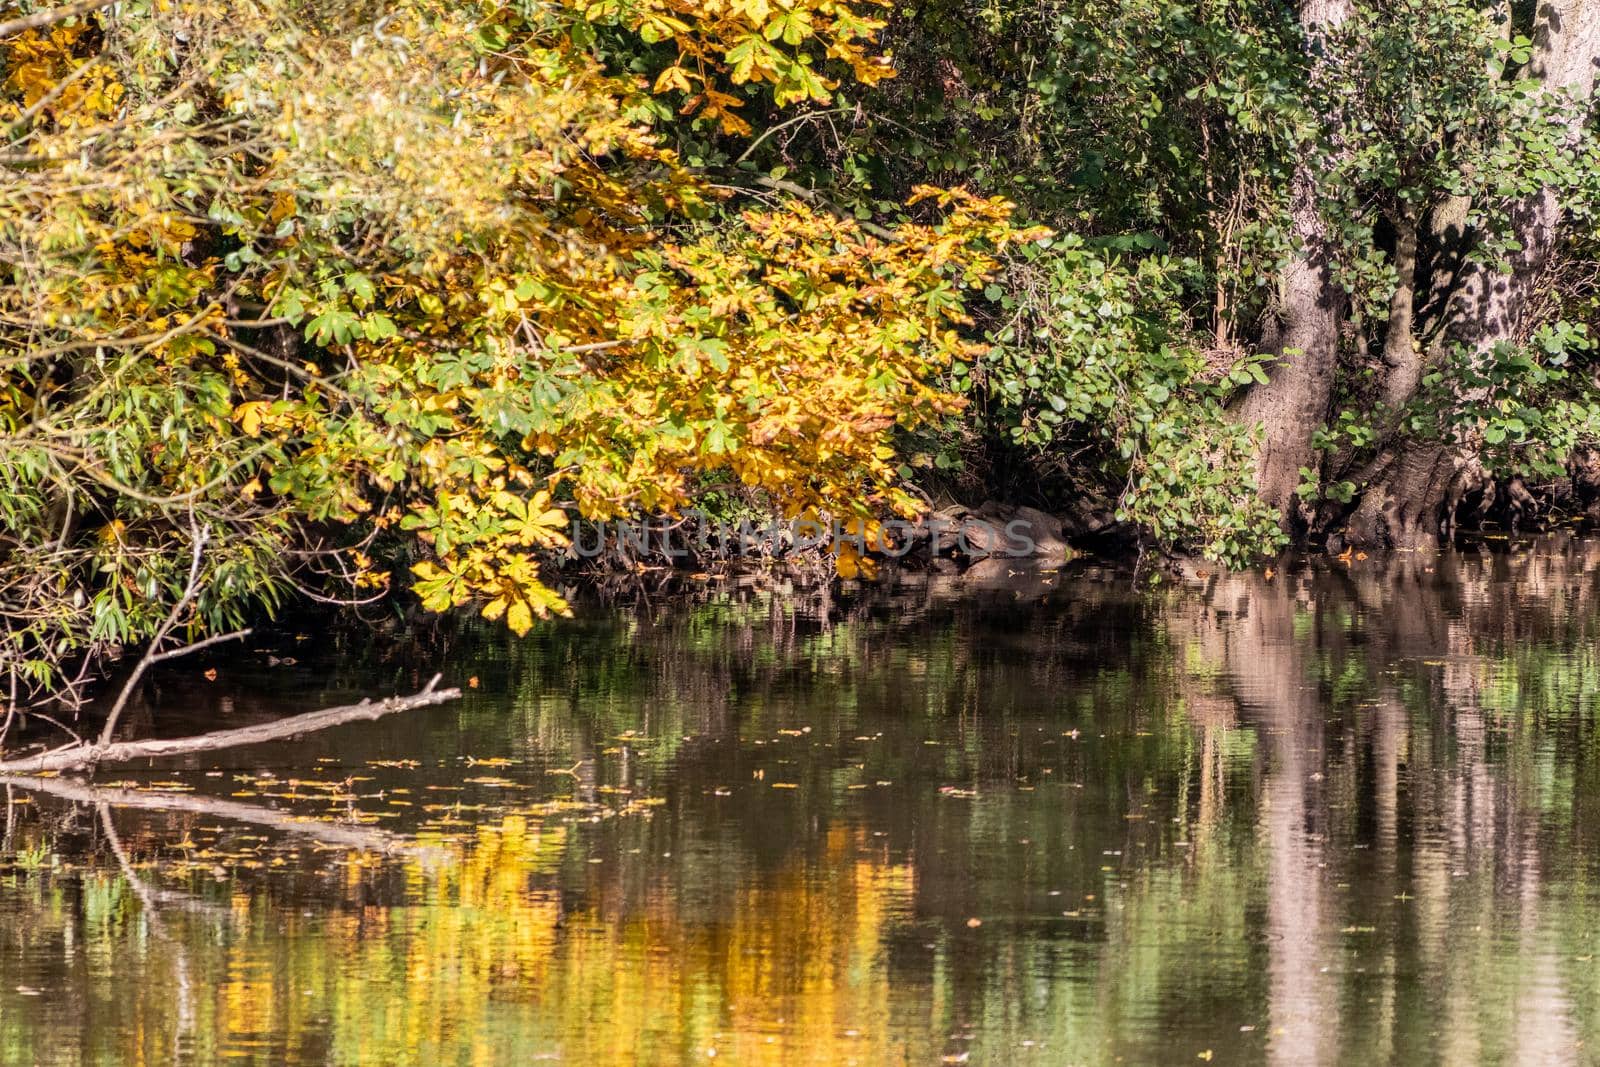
x=332 y=284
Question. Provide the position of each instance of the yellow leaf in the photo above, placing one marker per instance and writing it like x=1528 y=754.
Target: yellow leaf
x=673 y=77
x=249 y=416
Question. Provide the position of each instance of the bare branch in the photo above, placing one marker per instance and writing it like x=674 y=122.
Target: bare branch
x=78 y=756
x=174 y=653
x=198 y=538
x=51 y=16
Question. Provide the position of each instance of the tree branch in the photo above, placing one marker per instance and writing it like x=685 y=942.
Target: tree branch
x=74 y=757
x=217 y=639
x=51 y=16
x=198 y=537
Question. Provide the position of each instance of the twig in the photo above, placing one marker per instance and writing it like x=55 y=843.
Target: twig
x=594 y=346
x=148 y=895
x=283 y=364
x=11 y=712
x=174 y=653
x=59 y=725
x=199 y=543
x=809 y=116
x=811 y=196
x=51 y=16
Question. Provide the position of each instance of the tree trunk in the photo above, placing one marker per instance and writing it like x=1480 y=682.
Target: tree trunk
x=1403 y=507
x=1401 y=356
x=1294 y=400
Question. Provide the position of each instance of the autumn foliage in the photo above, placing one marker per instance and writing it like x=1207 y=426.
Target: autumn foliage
x=328 y=286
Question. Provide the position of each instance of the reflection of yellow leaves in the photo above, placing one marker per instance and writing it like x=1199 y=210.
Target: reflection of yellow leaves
x=850 y=563
x=477 y=923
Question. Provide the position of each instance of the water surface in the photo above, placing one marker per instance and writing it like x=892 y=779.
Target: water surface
x=1346 y=812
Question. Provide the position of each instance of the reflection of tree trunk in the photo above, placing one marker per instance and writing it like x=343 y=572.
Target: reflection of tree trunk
x=1213 y=714
x=1545 y=1030
x=1269 y=668
x=1390 y=728
x=1303 y=998
x=1490 y=832
x=1457 y=826
x=1294 y=400
x=1212 y=788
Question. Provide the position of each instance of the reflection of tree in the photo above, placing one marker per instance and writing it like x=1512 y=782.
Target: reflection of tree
x=1352 y=807
x=1268 y=664
x=1443 y=685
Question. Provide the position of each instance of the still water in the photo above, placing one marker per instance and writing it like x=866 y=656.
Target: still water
x=1346 y=813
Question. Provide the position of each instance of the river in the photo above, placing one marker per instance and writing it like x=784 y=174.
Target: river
x=1344 y=812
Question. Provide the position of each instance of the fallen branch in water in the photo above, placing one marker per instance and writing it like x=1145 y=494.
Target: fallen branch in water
x=79 y=756
x=344 y=835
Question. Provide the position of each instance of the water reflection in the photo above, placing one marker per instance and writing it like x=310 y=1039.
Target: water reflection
x=1345 y=812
